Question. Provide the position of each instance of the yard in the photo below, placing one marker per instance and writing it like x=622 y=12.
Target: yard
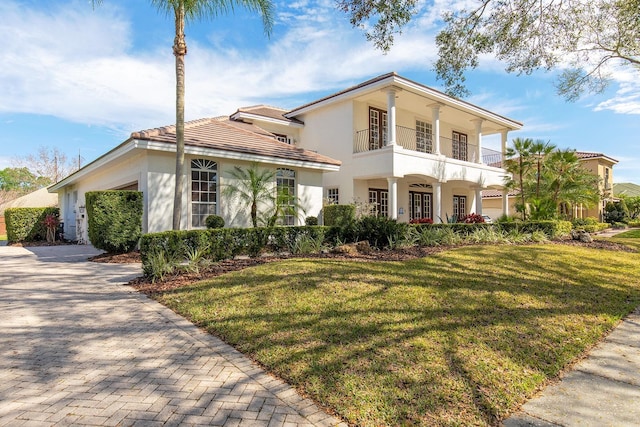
x=461 y=337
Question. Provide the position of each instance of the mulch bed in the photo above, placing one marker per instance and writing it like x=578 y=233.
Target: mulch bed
x=144 y=285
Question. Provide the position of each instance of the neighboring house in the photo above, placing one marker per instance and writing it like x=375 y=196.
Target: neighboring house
x=626 y=189
x=598 y=163
x=406 y=149
x=37 y=199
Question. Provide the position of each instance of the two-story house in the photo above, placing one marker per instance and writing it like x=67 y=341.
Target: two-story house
x=406 y=149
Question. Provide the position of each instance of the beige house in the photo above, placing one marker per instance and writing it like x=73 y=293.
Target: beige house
x=598 y=163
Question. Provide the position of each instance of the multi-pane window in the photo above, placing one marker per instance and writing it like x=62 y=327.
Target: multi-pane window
x=423 y=137
x=379 y=199
x=459 y=148
x=204 y=190
x=282 y=138
x=459 y=206
x=377 y=128
x=286 y=192
x=421 y=205
x=333 y=196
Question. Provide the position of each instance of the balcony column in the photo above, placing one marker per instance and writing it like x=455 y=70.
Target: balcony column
x=391 y=115
x=505 y=192
x=435 y=118
x=478 y=123
x=479 y=201
x=437 y=202
x=393 y=197
x=504 y=144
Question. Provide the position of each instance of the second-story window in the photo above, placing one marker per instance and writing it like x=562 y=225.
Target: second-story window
x=423 y=137
x=377 y=128
x=459 y=146
x=282 y=138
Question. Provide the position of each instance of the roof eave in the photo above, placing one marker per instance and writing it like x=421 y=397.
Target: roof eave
x=243 y=115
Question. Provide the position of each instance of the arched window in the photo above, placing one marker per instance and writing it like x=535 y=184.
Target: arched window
x=286 y=187
x=204 y=191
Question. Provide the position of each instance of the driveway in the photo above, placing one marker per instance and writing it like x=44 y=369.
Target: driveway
x=78 y=347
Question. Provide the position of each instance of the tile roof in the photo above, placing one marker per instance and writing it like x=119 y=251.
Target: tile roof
x=589 y=155
x=488 y=194
x=267 y=111
x=220 y=133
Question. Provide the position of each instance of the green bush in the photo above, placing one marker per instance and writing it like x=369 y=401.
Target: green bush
x=214 y=221
x=553 y=229
x=114 y=219
x=311 y=220
x=27 y=224
x=616 y=212
x=634 y=223
x=590 y=225
x=381 y=231
x=337 y=215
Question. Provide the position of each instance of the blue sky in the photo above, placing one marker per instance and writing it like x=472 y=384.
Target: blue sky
x=82 y=79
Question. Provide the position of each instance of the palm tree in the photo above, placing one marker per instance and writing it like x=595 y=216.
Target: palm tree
x=540 y=150
x=518 y=162
x=253 y=186
x=185 y=11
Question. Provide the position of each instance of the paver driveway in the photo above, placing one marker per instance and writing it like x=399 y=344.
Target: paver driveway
x=79 y=348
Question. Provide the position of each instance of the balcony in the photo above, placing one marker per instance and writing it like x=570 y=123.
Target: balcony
x=422 y=142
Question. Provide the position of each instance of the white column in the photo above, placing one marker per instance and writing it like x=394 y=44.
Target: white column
x=391 y=116
x=478 y=123
x=435 y=118
x=479 y=201
x=505 y=202
x=393 y=197
x=437 y=202
x=504 y=144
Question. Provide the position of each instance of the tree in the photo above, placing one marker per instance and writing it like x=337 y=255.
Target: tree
x=518 y=162
x=548 y=179
x=21 y=180
x=253 y=187
x=633 y=204
x=185 y=11
x=48 y=163
x=585 y=39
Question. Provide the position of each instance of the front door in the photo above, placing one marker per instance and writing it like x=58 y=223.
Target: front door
x=379 y=200
x=421 y=205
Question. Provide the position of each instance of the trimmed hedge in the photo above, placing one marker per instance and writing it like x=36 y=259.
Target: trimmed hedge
x=590 y=225
x=27 y=224
x=114 y=219
x=338 y=214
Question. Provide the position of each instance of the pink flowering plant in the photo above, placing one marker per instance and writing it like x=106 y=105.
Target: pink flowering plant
x=51 y=223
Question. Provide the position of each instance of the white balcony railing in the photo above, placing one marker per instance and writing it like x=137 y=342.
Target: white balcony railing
x=411 y=139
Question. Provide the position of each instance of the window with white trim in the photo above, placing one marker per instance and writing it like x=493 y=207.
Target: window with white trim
x=459 y=206
x=286 y=193
x=204 y=191
x=424 y=139
x=333 y=196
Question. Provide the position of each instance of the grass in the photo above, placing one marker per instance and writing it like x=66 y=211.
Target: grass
x=459 y=338
x=3 y=237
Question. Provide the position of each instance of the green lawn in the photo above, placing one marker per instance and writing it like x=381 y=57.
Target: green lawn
x=459 y=338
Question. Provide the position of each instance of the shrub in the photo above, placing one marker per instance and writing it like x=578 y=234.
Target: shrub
x=590 y=225
x=115 y=219
x=616 y=212
x=311 y=220
x=338 y=214
x=214 y=221
x=421 y=221
x=472 y=219
x=381 y=231
x=634 y=223
x=28 y=224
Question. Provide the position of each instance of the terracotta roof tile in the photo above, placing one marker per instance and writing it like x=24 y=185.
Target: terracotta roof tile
x=487 y=194
x=267 y=111
x=220 y=133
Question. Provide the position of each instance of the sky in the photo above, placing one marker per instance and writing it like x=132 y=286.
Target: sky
x=82 y=78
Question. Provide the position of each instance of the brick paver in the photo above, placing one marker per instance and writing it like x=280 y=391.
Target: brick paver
x=79 y=348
